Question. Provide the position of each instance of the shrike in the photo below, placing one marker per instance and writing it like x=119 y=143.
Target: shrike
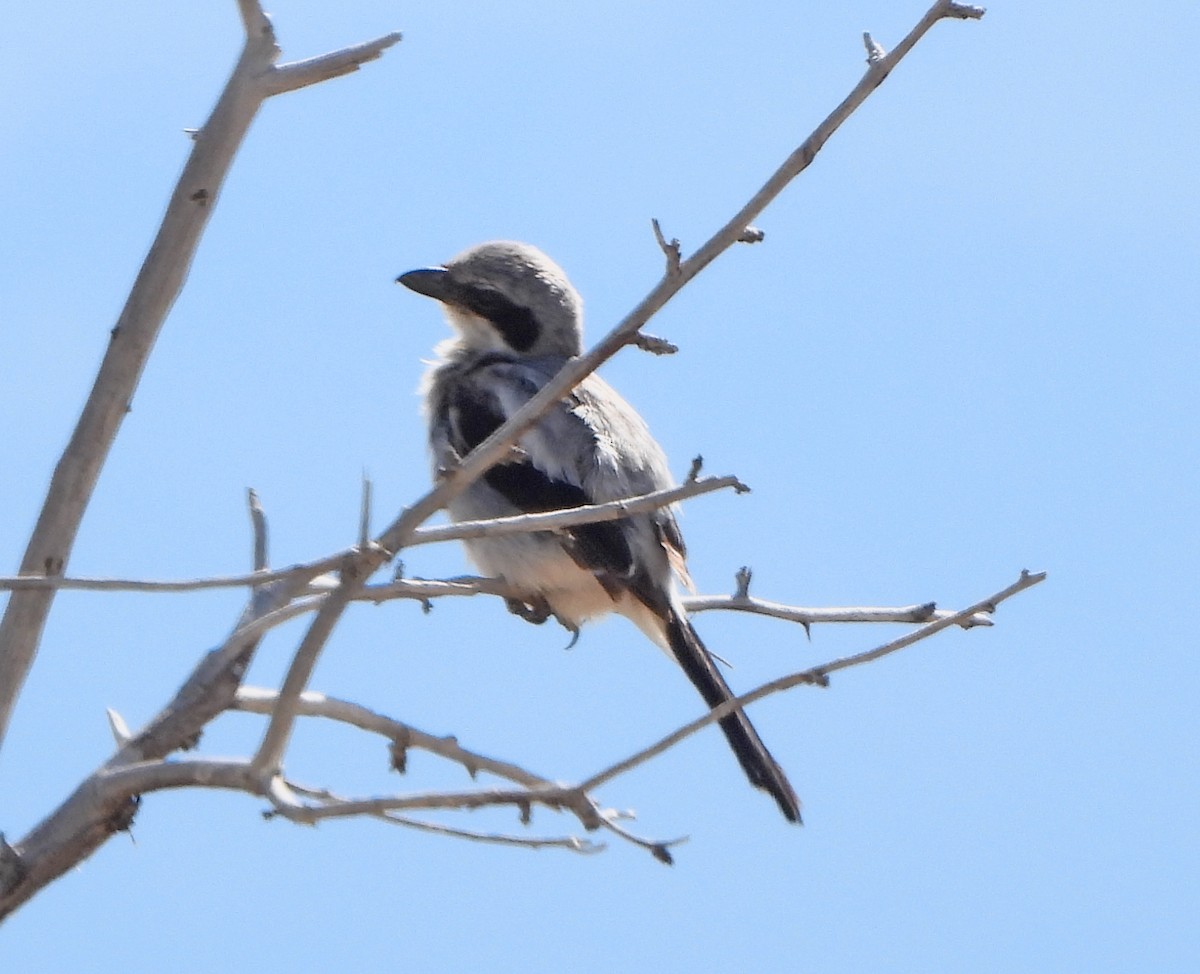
x=517 y=320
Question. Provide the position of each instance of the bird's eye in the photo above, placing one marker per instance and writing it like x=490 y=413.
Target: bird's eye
x=515 y=322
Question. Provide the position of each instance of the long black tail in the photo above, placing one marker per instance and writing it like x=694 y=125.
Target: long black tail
x=762 y=769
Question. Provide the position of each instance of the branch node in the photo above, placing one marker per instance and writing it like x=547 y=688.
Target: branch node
x=875 y=53
x=398 y=751
x=694 y=472
x=120 y=730
x=653 y=344
x=751 y=235
x=742 y=578
x=671 y=249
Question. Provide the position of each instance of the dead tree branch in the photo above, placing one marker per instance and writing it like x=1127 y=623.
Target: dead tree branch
x=106 y=801
x=498 y=445
x=254 y=79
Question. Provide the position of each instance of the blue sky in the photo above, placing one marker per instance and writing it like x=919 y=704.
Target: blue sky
x=966 y=347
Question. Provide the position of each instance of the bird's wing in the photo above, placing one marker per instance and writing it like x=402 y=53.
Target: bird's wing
x=633 y=463
x=547 y=475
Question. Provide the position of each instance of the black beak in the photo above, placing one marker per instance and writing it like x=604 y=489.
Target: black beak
x=433 y=282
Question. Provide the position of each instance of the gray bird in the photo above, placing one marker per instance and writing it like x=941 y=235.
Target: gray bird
x=517 y=320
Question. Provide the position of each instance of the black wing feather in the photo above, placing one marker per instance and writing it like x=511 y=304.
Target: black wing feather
x=600 y=547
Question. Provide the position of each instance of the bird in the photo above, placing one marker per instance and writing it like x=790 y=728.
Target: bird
x=516 y=320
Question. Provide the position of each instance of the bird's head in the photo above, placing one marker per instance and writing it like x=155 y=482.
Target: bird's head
x=506 y=296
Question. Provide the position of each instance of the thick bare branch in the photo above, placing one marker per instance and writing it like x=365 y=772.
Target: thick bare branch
x=154 y=291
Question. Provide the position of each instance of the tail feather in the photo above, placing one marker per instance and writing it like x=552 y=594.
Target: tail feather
x=762 y=769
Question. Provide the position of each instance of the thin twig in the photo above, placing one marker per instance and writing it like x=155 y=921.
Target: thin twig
x=311 y=704
x=814 y=676
x=258 y=520
x=671 y=249
x=268 y=758
x=311 y=71
x=653 y=344
x=591 y=514
x=806 y=616
x=569 y=842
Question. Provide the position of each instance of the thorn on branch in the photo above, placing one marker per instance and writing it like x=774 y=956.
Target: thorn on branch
x=398 y=752
x=694 y=472
x=526 y=812
x=875 y=53
x=120 y=730
x=751 y=235
x=364 y=513
x=671 y=249
x=742 y=579
x=258 y=521
x=653 y=344
x=468 y=763
x=192 y=134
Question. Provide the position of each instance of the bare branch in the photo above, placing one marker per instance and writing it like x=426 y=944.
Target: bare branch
x=557 y=798
x=591 y=514
x=311 y=704
x=569 y=842
x=255 y=22
x=660 y=850
x=806 y=616
x=154 y=291
x=269 y=758
x=814 y=676
x=1027 y=580
x=311 y=71
x=308 y=571
x=360 y=565
x=496 y=446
